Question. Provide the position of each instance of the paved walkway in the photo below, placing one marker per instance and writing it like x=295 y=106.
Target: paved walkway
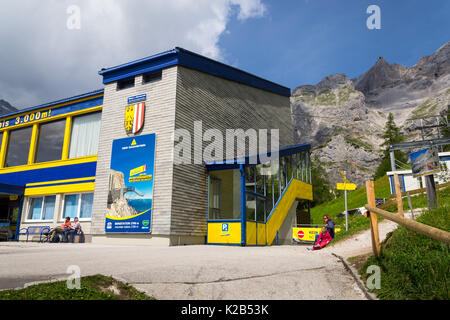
x=197 y=272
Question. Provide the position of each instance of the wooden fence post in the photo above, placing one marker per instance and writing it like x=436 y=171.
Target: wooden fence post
x=398 y=193
x=370 y=189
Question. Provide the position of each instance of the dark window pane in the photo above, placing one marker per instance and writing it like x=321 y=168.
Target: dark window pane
x=260 y=172
x=1 y=139
x=50 y=142
x=250 y=178
x=225 y=194
x=251 y=208
x=18 y=147
x=125 y=84
x=151 y=77
x=260 y=210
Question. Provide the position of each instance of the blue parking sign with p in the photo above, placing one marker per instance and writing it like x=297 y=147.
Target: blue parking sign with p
x=225 y=227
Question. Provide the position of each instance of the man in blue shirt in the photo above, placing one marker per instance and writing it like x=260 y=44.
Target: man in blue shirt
x=329 y=225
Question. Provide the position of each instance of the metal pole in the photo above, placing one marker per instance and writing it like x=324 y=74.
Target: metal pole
x=431 y=191
x=393 y=160
x=410 y=205
x=346 y=212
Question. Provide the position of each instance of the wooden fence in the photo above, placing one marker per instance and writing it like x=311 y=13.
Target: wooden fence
x=431 y=232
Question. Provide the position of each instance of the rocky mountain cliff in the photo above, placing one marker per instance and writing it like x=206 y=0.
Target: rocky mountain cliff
x=5 y=107
x=344 y=119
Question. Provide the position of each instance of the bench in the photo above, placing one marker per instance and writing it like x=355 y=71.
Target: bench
x=80 y=237
x=35 y=231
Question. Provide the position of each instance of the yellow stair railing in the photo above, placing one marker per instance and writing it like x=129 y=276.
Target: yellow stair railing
x=295 y=190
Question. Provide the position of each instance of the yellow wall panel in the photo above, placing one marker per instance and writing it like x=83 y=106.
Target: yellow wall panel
x=217 y=234
x=251 y=233
x=69 y=188
x=261 y=234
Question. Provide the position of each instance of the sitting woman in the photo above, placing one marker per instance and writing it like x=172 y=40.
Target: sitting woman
x=76 y=229
x=324 y=239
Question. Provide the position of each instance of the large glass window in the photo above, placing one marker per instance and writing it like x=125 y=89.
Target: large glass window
x=87 y=200
x=260 y=211
x=260 y=180
x=251 y=207
x=276 y=191
x=216 y=189
x=18 y=147
x=1 y=139
x=225 y=195
x=85 y=134
x=250 y=178
x=78 y=205
x=50 y=141
x=42 y=208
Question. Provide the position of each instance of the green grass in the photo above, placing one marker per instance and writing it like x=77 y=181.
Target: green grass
x=425 y=108
x=358 y=198
x=420 y=201
x=92 y=288
x=358 y=143
x=414 y=266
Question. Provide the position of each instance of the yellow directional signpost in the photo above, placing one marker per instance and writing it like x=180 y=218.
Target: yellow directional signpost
x=346 y=186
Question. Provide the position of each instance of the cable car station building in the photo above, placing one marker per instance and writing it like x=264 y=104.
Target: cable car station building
x=110 y=156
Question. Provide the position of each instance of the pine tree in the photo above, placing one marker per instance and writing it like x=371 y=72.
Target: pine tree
x=391 y=136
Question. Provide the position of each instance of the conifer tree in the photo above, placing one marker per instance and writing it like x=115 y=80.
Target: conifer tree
x=391 y=136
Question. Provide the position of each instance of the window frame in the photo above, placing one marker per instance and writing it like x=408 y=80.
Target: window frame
x=8 y=146
x=39 y=137
x=63 y=202
x=33 y=142
x=69 y=142
x=29 y=220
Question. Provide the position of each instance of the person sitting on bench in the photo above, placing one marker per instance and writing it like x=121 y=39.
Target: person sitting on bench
x=66 y=228
x=75 y=229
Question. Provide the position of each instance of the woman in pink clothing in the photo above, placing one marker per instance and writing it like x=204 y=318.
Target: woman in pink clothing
x=324 y=239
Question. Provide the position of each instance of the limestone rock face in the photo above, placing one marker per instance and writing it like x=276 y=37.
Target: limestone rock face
x=117 y=180
x=118 y=206
x=344 y=119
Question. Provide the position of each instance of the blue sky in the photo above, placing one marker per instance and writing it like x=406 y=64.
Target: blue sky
x=300 y=42
x=292 y=42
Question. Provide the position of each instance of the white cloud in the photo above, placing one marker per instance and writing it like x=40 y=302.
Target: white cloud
x=249 y=8
x=42 y=60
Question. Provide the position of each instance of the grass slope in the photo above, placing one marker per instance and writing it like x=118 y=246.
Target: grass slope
x=358 y=198
x=92 y=288
x=412 y=265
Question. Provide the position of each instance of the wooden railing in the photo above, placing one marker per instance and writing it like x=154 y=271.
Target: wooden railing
x=431 y=232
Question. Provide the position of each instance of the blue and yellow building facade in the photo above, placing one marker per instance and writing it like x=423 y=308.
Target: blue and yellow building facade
x=42 y=165
x=111 y=158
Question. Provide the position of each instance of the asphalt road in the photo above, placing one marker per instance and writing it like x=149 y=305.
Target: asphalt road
x=191 y=272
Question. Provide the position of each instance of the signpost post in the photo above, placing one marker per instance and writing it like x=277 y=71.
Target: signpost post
x=425 y=163
x=346 y=186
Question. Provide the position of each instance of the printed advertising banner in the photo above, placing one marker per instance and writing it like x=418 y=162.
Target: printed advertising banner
x=130 y=195
x=425 y=162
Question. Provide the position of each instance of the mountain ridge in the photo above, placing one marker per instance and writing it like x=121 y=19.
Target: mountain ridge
x=6 y=107
x=344 y=118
